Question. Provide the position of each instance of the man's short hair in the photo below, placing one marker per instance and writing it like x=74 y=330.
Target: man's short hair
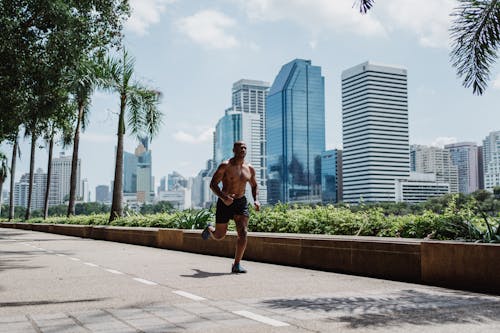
x=239 y=143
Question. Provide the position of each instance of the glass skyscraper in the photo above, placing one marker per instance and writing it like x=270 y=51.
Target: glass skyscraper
x=295 y=119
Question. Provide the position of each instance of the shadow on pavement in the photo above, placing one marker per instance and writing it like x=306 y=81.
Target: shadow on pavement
x=405 y=307
x=49 y=302
x=199 y=274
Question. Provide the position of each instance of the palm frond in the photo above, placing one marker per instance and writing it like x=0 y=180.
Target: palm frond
x=364 y=5
x=475 y=33
x=144 y=117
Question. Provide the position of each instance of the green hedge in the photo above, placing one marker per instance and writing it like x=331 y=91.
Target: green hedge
x=463 y=222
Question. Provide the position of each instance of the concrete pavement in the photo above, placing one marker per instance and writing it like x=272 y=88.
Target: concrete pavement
x=53 y=283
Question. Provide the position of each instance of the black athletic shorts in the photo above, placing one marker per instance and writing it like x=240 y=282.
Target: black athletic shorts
x=225 y=213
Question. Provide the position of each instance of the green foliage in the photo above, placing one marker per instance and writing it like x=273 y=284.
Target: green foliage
x=472 y=217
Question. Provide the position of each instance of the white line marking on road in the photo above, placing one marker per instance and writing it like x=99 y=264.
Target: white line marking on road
x=75 y=259
x=113 y=271
x=151 y=283
x=262 y=319
x=60 y=255
x=188 y=295
x=91 y=264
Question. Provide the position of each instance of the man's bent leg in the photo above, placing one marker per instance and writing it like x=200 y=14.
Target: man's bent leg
x=242 y=229
x=219 y=231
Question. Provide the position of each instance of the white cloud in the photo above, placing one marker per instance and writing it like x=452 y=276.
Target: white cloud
x=496 y=83
x=442 y=141
x=144 y=14
x=209 y=29
x=429 y=22
x=315 y=15
x=202 y=136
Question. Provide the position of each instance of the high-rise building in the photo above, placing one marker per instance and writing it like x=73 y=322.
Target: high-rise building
x=60 y=179
x=331 y=176
x=129 y=173
x=480 y=167
x=295 y=130
x=375 y=131
x=102 y=193
x=227 y=131
x=465 y=156
x=176 y=180
x=245 y=120
x=85 y=194
x=438 y=161
x=21 y=189
x=491 y=160
x=145 y=189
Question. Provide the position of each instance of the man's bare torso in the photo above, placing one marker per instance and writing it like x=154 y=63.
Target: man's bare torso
x=235 y=178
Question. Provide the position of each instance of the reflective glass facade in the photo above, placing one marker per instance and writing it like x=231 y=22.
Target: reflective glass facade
x=227 y=132
x=129 y=173
x=295 y=119
x=329 y=176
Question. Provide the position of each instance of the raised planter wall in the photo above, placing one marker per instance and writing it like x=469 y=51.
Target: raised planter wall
x=467 y=266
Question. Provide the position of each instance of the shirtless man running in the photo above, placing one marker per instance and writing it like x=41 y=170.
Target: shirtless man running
x=232 y=203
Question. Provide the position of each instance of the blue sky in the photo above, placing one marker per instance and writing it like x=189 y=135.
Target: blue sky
x=193 y=51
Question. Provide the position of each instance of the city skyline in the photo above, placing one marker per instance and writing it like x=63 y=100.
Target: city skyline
x=188 y=50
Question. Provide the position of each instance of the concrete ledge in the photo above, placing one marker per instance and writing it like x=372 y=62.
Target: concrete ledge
x=449 y=264
x=469 y=266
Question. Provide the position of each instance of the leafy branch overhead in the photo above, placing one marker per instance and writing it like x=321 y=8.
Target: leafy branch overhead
x=475 y=36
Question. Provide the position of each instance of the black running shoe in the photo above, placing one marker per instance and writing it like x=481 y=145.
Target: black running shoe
x=237 y=268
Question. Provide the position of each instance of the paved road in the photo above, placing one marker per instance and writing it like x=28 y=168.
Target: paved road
x=53 y=283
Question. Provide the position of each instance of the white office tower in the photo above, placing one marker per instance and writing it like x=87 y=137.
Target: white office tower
x=491 y=160
x=465 y=156
x=375 y=131
x=245 y=120
x=60 y=179
x=85 y=195
x=419 y=187
x=435 y=160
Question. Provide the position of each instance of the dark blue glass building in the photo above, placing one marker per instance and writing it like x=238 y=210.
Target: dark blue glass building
x=295 y=128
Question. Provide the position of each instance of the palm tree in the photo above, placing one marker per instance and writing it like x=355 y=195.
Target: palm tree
x=15 y=152
x=476 y=37
x=4 y=172
x=83 y=83
x=139 y=104
x=475 y=34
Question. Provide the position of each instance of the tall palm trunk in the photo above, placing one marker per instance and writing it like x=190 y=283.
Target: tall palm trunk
x=49 y=173
x=117 y=205
x=1 y=195
x=12 y=176
x=74 y=160
x=32 y=174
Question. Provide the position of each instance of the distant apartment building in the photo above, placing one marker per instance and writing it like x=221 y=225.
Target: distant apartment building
x=331 y=176
x=201 y=194
x=102 y=194
x=375 y=131
x=21 y=190
x=438 y=161
x=60 y=179
x=295 y=131
x=491 y=160
x=465 y=156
